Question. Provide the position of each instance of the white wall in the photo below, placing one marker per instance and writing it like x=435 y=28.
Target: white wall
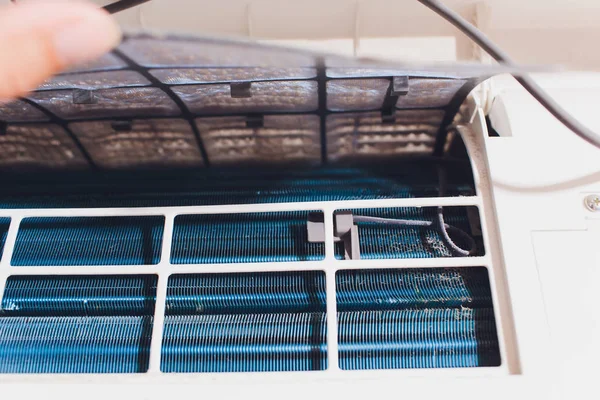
x=533 y=31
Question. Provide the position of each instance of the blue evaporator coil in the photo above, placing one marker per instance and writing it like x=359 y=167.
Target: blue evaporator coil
x=429 y=318
x=75 y=324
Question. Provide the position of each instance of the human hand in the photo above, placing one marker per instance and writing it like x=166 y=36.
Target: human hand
x=40 y=39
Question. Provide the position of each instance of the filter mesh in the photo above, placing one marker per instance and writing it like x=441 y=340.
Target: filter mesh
x=145 y=144
x=286 y=139
x=111 y=103
x=427 y=318
x=355 y=136
x=243 y=238
x=37 y=147
x=430 y=93
x=150 y=52
x=175 y=76
x=64 y=241
x=95 y=80
x=356 y=94
x=150 y=77
x=290 y=96
x=19 y=111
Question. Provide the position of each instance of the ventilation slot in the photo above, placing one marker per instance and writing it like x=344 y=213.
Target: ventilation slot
x=4 y=225
x=421 y=318
x=243 y=238
x=241 y=186
x=245 y=322
x=383 y=238
x=72 y=324
x=65 y=241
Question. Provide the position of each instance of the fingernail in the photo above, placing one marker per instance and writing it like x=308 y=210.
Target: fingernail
x=87 y=39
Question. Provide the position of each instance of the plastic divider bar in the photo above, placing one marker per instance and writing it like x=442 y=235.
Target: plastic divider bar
x=161 y=295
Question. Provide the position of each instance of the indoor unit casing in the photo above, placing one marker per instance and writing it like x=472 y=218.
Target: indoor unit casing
x=157 y=213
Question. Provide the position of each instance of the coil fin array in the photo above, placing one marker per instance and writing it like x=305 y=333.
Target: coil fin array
x=415 y=318
x=74 y=324
x=250 y=293
x=65 y=241
x=429 y=318
x=428 y=338
x=412 y=289
x=243 y=238
x=77 y=296
x=245 y=322
x=39 y=345
x=244 y=342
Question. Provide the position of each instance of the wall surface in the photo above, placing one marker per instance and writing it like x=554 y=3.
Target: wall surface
x=534 y=31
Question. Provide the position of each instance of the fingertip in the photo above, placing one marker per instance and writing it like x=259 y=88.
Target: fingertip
x=86 y=39
x=46 y=38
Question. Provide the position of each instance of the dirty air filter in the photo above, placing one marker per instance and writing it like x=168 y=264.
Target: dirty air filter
x=35 y=146
x=141 y=144
x=76 y=324
x=359 y=136
x=288 y=139
x=228 y=102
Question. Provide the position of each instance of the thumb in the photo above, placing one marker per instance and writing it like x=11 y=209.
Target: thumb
x=40 y=39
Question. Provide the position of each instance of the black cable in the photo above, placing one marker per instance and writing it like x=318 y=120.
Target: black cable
x=122 y=5
x=499 y=55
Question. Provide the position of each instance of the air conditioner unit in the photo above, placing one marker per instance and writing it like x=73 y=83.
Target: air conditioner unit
x=234 y=215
